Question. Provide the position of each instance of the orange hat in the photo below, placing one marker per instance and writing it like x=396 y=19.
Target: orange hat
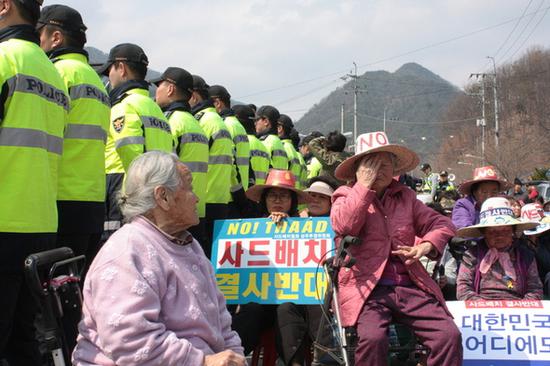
x=277 y=179
x=483 y=174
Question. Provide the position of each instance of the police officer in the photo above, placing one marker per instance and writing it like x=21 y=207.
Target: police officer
x=137 y=122
x=174 y=88
x=81 y=195
x=241 y=154
x=429 y=182
x=33 y=113
x=313 y=165
x=284 y=130
x=266 y=130
x=220 y=161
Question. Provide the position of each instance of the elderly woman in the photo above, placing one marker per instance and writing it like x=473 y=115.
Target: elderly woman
x=485 y=184
x=150 y=296
x=500 y=266
x=388 y=283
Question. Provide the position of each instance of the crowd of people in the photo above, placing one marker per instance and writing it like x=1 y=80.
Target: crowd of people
x=135 y=184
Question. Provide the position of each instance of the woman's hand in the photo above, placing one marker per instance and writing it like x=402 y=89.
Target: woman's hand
x=413 y=254
x=225 y=358
x=278 y=217
x=368 y=170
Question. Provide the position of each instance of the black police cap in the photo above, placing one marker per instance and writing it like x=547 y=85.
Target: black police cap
x=199 y=83
x=62 y=16
x=243 y=113
x=218 y=91
x=128 y=52
x=177 y=76
x=269 y=112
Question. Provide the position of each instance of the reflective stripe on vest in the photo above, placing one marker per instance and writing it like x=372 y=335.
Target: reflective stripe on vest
x=259 y=153
x=90 y=92
x=27 y=84
x=260 y=175
x=87 y=132
x=240 y=138
x=280 y=153
x=197 y=166
x=130 y=140
x=153 y=122
x=221 y=134
x=220 y=159
x=26 y=137
x=193 y=137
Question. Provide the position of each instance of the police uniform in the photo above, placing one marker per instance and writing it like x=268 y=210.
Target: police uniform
x=81 y=195
x=294 y=162
x=137 y=126
x=33 y=115
x=220 y=162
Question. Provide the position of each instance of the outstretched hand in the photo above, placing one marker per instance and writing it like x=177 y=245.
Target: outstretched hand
x=413 y=254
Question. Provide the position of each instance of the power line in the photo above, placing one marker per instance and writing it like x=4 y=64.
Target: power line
x=523 y=30
x=392 y=57
x=513 y=29
x=422 y=123
x=528 y=36
x=291 y=99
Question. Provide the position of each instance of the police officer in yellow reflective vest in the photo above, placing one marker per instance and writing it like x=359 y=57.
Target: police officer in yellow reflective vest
x=33 y=115
x=241 y=154
x=266 y=130
x=259 y=156
x=220 y=160
x=81 y=195
x=174 y=88
x=137 y=122
x=284 y=129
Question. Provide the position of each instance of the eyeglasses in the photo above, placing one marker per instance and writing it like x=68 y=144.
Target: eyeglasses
x=278 y=196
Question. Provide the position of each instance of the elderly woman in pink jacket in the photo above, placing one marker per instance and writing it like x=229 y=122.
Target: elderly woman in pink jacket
x=388 y=283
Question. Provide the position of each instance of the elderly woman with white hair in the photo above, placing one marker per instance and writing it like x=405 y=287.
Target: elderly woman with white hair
x=150 y=296
x=387 y=282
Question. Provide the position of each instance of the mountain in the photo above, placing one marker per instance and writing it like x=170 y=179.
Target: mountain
x=413 y=98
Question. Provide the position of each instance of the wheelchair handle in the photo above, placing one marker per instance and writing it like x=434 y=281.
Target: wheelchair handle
x=43 y=261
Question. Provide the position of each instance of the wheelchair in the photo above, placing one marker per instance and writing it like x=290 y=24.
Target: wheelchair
x=54 y=279
x=404 y=350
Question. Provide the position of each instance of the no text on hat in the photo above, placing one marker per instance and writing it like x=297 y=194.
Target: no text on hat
x=243 y=112
x=277 y=178
x=374 y=142
x=63 y=17
x=218 y=91
x=285 y=121
x=127 y=52
x=177 y=76
x=269 y=112
x=199 y=83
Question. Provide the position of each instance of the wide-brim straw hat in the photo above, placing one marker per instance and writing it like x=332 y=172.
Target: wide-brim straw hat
x=495 y=211
x=534 y=212
x=277 y=179
x=483 y=174
x=373 y=142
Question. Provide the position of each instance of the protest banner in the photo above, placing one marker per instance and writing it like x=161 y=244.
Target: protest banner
x=503 y=332
x=256 y=260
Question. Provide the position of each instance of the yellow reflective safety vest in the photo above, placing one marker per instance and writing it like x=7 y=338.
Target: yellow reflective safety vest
x=33 y=115
x=303 y=173
x=82 y=170
x=277 y=154
x=220 y=159
x=314 y=168
x=259 y=160
x=239 y=173
x=137 y=126
x=293 y=161
x=192 y=148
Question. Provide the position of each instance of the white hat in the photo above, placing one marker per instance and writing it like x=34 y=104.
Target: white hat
x=495 y=211
x=320 y=188
x=373 y=142
x=534 y=212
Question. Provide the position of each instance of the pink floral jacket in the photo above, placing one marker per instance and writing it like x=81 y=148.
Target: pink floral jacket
x=382 y=225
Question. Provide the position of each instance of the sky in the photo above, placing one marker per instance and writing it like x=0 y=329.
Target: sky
x=292 y=53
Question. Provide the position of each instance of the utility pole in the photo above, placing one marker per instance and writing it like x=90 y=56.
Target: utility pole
x=482 y=122
x=384 y=129
x=497 y=132
x=355 y=92
x=342 y=119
